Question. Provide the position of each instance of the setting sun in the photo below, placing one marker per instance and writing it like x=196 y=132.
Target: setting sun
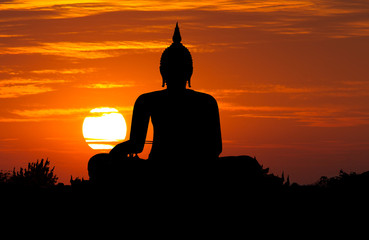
x=103 y=128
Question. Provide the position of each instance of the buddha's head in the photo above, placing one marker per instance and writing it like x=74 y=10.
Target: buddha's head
x=176 y=64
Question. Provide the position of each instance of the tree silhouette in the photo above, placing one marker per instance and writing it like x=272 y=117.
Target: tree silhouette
x=4 y=176
x=36 y=174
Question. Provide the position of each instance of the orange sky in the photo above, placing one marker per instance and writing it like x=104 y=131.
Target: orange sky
x=291 y=77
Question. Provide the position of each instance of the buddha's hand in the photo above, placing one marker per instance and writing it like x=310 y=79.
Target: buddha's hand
x=121 y=150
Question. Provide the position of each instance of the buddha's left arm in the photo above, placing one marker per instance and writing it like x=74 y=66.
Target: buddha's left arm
x=216 y=130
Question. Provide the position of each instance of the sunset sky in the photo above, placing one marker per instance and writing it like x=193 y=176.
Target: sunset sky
x=291 y=77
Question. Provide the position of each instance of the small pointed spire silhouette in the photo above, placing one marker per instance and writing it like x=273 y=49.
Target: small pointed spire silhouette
x=177 y=35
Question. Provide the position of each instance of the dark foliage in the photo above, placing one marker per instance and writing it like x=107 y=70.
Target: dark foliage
x=345 y=182
x=236 y=177
x=4 y=176
x=38 y=174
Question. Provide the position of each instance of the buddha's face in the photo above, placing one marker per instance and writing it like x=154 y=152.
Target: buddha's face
x=174 y=76
x=176 y=64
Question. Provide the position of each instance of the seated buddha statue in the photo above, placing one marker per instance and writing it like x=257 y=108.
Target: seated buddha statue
x=186 y=125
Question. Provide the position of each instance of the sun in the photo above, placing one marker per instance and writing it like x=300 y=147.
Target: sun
x=103 y=128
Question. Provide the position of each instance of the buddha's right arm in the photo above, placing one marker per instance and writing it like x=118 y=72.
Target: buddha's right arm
x=140 y=123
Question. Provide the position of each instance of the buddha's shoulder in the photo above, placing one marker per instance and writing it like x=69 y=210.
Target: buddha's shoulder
x=202 y=96
x=199 y=94
x=163 y=94
x=150 y=96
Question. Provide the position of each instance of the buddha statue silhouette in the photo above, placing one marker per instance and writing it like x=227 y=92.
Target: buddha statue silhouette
x=185 y=122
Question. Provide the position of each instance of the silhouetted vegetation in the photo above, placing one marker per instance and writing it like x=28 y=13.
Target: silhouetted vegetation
x=230 y=176
x=4 y=176
x=37 y=174
x=345 y=182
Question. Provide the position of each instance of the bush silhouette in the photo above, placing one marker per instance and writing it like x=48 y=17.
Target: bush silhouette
x=36 y=174
x=4 y=176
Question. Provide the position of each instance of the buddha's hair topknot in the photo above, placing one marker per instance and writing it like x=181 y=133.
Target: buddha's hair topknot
x=177 y=58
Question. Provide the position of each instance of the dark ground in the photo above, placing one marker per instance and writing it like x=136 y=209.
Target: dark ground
x=238 y=176
x=236 y=195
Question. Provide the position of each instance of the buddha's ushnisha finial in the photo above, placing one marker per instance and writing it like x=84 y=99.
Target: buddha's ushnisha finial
x=177 y=35
x=176 y=60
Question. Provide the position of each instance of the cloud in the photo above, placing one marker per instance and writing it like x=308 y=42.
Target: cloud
x=86 y=50
x=236 y=107
x=12 y=88
x=263 y=89
x=107 y=85
x=8 y=139
x=274 y=146
x=26 y=81
x=355 y=29
x=318 y=145
x=24 y=115
x=158 y=5
x=17 y=91
x=53 y=114
x=108 y=19
x=80 y=8
x=64 y=71
x=50 y=112
x=14 y=120
x=341 y=89
x=83 y=7
x=10 y=35
x=94 y=6
x=316 y=115
x=308 y=116
x=336 y=121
